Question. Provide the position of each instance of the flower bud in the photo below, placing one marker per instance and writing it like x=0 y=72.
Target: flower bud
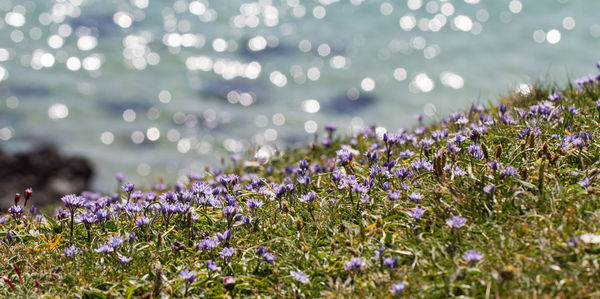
x=17 y=198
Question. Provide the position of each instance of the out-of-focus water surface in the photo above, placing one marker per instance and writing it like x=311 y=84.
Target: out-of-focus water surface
x=155 y=88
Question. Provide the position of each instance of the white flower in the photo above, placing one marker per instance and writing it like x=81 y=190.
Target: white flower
x=590 y=238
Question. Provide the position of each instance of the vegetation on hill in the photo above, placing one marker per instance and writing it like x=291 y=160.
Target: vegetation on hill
x=493 y=202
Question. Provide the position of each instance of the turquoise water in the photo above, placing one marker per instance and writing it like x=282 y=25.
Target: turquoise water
x=166 y=87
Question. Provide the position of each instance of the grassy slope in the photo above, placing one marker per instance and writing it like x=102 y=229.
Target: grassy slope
x=522 y=228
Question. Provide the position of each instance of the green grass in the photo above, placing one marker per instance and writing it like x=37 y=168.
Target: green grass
x=523 y=228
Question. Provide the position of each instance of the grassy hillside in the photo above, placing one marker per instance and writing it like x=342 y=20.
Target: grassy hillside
x=492 y=202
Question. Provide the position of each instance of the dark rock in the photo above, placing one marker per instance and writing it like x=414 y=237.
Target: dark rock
x=342 y=104
x=50 y=174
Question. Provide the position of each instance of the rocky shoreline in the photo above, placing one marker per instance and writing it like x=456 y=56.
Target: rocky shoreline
x=50 y=174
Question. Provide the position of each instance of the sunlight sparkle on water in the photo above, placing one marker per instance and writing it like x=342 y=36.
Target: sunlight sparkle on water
x=367 y=84
x=107 y=137
x=15 y=19
x=58 y=111
x=553 y=36
x=87 y=42
x=3 y=73
x=452 y=80
x=310 y=126
x=421 y=83
x=311 y=106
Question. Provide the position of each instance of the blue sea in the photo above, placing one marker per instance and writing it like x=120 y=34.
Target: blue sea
x=158 y=89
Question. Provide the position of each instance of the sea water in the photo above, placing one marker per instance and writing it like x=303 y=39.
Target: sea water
x=163 y=88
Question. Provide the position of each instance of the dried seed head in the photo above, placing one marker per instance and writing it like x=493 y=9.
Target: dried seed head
x=508 y=273
x=498 y=151
x=523 y=173
x=485 y=152
x=531 y=140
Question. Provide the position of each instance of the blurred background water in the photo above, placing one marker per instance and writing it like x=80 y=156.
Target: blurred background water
x=162 y=88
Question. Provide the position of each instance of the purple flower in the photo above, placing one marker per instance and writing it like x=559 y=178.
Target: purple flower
x=456 y=222
x=132 y=209
x=458 y=171
x=473 y=256
x=88 y=218
x=70 y=251
x=475 y=151
x=142 y=221
x=573 y=110
x=212 y=266
x=390 y=262
x=300 y=277
x=414 y=197
x=418 y=130
x=303 y=165
x=422 y=163
x=128 y=187
x=124 y=259
x=417 y=213
x=585 y=182
x=509 y=171
x=227 y=252
x=304 y=180
x=187 y=196
x=354 y=264
x=573 y=241
x=406 y=154
x=120 y=176
x=461 y=120
x=309 y=197
x=137 y=194
x=229 y=212
x=268 y=258
x=555 y=96
x=489 y=188
x=261 y=250
x=72 y=201
x=453 y=148
x=104 y=248
x=224 y=236
x=598 y=105
x=393 y=195
x=495 y=165
x=208 y=244
x=344 y=156
x=330 y=127
x=16 y=210
x=228 y=179
x=584 y=80
x=255 y=204
x=397 y=288
x=365 y=199
x=113 y=243
x=187 y=276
